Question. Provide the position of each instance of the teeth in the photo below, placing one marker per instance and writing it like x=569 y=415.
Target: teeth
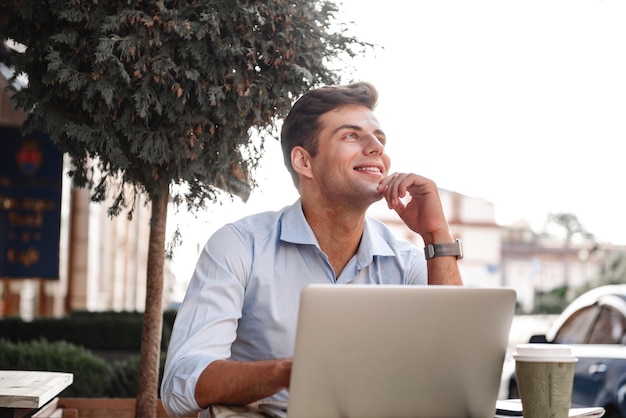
x=373 y=169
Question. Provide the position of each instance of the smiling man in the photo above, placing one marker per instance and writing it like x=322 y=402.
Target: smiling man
x=234 y=334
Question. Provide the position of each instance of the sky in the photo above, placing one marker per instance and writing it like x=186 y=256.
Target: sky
x=518 y=102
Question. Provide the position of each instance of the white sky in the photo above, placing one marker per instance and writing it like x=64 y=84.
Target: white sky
x=519 y=102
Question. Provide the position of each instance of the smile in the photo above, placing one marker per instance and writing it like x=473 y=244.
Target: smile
x=370 y=169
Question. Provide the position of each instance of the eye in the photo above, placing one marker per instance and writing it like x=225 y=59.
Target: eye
x=352 y=135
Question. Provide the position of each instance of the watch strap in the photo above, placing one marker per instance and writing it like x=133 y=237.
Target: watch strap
x=441 y=250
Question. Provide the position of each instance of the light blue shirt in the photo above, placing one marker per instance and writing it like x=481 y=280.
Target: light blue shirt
x=243 y=298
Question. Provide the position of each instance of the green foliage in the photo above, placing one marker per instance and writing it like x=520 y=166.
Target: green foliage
x=79 y=344
x=167 y=92
x=90 y=372
x=612 y=271
x=119 y=331
x=570 y=224
x=552 y=302
x=123 y=380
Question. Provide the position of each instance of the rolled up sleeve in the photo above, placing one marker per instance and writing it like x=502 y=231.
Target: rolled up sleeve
x=206 y=323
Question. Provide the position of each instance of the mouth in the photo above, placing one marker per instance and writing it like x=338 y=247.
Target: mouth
x=370 y=169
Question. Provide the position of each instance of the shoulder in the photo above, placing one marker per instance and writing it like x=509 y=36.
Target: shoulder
x=262 y=226
x=259 y=223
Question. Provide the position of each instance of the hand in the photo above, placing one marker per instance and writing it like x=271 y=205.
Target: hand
x=423 y=213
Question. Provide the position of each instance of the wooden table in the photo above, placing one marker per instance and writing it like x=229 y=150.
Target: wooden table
x=24 y=392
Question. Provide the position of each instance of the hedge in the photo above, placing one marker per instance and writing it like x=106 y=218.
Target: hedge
x=93 y=330
x=93 y=376
x=79 y=343
x=91 y=373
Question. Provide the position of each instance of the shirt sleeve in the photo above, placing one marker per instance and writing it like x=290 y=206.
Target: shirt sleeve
x=417 y=273
x=206 y=322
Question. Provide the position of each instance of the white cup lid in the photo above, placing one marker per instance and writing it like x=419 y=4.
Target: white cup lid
x=544 y=352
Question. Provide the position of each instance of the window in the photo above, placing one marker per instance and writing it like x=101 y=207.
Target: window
x=609 y=327
x=576 y=328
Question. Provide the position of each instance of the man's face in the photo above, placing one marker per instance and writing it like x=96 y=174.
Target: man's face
x=351 y=157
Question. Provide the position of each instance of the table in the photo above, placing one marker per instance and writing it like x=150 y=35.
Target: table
x=24 y=392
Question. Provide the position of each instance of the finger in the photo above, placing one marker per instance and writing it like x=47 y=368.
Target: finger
x=384 y=183
x=396 y=189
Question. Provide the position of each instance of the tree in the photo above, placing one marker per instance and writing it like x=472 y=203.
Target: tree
x=612 y=271
x=572 y=227
x=570 y=224
x=152 y=94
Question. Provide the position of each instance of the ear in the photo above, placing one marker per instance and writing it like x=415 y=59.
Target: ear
x=301 y=162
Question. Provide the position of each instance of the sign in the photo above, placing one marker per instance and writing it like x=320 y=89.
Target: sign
x=31 y=170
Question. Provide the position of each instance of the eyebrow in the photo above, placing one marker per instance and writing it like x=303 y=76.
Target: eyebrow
x=358 y=128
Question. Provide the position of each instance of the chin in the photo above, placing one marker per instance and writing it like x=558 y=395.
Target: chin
x=373 y=198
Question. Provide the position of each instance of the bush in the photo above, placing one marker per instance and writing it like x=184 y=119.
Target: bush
x=551 y=302
x=92 y=330
x=123 y=380
x=91 y=373
x=87 y=344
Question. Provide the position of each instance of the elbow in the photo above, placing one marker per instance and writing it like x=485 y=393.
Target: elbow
x=177 y=403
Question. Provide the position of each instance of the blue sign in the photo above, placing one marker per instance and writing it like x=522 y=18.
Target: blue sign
x=31 y=171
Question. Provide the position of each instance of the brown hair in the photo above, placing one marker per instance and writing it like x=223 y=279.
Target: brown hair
x=301 y=126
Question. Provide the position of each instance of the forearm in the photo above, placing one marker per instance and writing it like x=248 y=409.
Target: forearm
x=444 y=271
x=239 y=383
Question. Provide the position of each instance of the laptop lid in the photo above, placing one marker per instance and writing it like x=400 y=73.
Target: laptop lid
x=399 y=351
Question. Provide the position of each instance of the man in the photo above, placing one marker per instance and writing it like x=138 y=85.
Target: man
x=234 y=333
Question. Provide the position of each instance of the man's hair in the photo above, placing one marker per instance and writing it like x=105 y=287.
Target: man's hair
x=302 y=125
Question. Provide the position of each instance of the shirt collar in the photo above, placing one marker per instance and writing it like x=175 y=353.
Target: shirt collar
x=295 y=229
x=372 y=244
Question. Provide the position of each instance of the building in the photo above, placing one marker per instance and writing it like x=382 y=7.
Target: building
x=533 y=263
x=512 y=256
x=102 y=260
x=102 y=263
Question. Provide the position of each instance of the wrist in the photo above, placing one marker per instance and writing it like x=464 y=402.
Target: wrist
x=439 y=237
x=449 y=249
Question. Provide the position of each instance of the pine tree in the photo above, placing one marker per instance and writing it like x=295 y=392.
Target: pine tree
x=153 y=94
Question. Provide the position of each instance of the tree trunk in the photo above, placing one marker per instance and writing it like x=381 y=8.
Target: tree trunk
x=147 y=387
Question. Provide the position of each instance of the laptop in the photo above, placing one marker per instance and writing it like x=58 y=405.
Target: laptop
x=398 y=351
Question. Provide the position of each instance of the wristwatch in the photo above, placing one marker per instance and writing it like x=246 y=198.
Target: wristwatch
x=440 y=250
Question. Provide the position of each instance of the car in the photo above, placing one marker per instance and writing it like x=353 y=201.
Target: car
x=594 y=325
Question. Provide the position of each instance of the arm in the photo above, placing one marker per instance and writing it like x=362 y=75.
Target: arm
x=424 y=215
x=238 y=383
x=196 y=373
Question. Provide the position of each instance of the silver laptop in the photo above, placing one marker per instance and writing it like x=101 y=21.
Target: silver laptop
x=399 y=351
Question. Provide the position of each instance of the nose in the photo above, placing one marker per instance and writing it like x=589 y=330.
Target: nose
x=374 y=145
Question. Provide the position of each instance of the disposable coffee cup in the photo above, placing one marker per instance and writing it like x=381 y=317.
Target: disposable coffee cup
x=545 y=376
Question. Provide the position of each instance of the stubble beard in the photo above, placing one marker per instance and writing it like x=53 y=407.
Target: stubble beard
x=361 y=195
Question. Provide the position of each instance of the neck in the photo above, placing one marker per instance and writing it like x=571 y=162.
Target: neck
x=338 y=231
